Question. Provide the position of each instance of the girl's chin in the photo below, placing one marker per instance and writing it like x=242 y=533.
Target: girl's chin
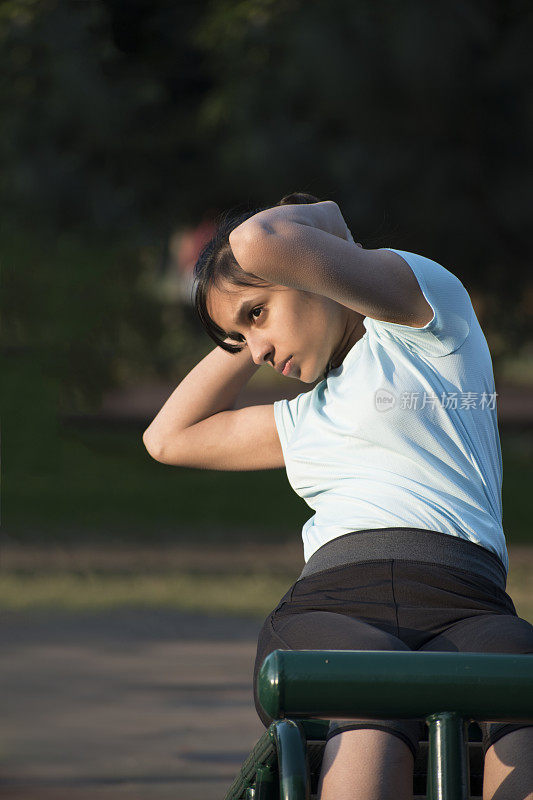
x=304 y=375
x=317 y=375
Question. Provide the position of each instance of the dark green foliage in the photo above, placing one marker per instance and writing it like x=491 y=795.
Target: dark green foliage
x=123 y=121
x=416 y=118
x=75 y=322
x=105 y=487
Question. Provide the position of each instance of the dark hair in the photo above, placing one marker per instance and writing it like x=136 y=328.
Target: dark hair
x=216 y=262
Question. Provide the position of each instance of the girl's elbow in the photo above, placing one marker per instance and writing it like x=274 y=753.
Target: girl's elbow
x=153 y=446
x=243 y=239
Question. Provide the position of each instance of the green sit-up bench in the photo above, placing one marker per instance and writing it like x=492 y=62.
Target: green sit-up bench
x=452 y=692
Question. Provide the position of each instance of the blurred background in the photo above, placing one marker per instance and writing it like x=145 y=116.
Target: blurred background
x=127 y=127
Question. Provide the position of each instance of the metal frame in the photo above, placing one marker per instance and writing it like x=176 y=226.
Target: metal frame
x=447 y=690
x=277 y=766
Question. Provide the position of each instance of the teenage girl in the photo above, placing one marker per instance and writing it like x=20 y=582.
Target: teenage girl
x=396 y=449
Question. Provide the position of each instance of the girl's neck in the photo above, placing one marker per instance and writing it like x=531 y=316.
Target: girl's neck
x=353 y=332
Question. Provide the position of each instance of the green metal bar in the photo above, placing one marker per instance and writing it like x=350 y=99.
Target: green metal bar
x=280 y=749
x=292 y=762
x=387 y=684
x=448 y=762
x=262 y=758
x=266 y=783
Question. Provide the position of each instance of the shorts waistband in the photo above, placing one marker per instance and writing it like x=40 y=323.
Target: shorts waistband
x=407 y=544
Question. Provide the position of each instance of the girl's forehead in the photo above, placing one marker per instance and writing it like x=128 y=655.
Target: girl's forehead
x=224 y=294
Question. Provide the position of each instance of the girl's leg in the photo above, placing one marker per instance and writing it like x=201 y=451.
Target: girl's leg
x=367 y=759
x=508 y=748
x=366 y=764
x=508 y=771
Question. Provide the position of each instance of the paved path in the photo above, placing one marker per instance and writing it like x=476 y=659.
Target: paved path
x=125 y=704
x=141 y=403
x=138 y=704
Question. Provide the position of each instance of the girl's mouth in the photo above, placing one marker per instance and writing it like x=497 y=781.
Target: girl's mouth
x=287 y=367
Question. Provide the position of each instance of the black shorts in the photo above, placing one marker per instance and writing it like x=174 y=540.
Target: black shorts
x=398 y=603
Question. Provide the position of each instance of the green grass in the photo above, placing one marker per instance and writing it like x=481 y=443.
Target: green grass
x=108 y=486
x=105 y=486
x=517 y=454
x=243 y=595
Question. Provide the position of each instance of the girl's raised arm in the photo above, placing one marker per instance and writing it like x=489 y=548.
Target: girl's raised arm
x=199 y=427
x=326 y=216
x=303 y=247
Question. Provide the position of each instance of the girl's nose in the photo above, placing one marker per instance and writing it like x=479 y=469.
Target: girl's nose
x=260 y=351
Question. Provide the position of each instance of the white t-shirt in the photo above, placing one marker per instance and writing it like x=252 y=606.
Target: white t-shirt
x=404 y=432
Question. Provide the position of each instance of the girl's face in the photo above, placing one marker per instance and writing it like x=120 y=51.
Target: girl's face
x=279 y=323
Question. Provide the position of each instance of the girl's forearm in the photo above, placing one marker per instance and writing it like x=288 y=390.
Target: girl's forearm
x=213 y=385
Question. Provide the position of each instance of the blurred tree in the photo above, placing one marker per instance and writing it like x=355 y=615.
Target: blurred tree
x=410 y=112
x=102 y=127
x=88 y=152
x=125 y=119
x=76 y=321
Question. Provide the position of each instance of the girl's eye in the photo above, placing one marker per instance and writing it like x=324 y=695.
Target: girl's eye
x=240 y=337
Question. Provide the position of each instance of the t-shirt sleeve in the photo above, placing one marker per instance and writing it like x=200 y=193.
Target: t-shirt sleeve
x=288 y=414
x=451 y=304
